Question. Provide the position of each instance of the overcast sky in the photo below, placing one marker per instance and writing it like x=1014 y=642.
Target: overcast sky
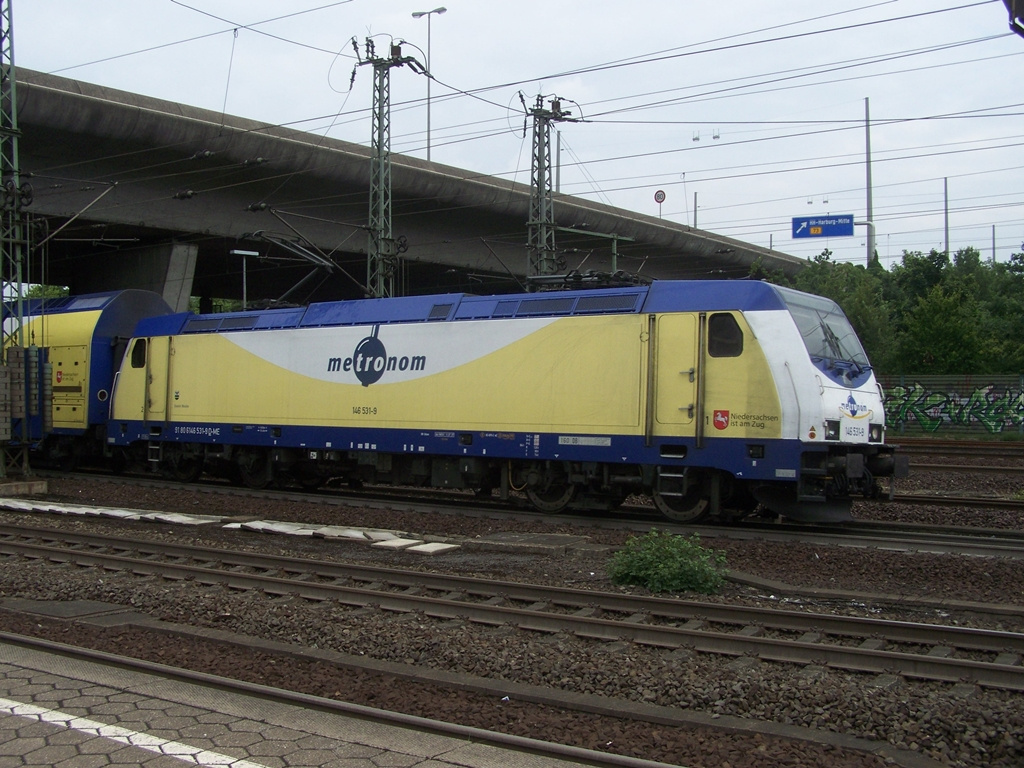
x=753 y=110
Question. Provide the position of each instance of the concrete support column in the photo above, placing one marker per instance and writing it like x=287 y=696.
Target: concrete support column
x=178 y=274
x=167 y=269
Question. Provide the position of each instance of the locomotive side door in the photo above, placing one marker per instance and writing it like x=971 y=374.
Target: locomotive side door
x=157 y=363
x=140 y=386
x=676 y=376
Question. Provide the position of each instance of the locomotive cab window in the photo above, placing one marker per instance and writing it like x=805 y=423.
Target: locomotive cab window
x=139 y=354
x=725 y=338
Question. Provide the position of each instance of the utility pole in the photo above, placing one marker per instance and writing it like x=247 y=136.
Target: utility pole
x=540 y=241
x=420 y=15
x=945 y=212
x=870 y=207
x=14 y=196
x=382 y=250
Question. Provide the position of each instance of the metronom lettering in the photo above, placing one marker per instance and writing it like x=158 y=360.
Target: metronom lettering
x=360 y=363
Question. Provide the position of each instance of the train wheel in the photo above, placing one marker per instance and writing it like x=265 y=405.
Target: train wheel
x=602 y=501
x=553 y=498
x=186 y=469
x=254 y=470
x=68 y=462
x=309 y=479
x=782 y=500
x=119 y=461
x=687 y=508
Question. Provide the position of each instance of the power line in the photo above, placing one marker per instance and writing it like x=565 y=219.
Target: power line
x=483 y=134
x=803 y=158
x=801 y=72
x=697 y=98
x=250 y=27
x=632 y=60
x=683 y=51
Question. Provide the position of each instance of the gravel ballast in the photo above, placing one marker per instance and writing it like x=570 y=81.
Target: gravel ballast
x=950 y=724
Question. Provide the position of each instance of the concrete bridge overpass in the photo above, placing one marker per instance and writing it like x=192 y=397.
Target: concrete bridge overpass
x=140 y=192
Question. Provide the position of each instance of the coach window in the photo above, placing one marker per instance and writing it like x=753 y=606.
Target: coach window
x=139 y=354
x=725 y=339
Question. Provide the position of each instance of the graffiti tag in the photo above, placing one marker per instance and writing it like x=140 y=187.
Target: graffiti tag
x=993 y=407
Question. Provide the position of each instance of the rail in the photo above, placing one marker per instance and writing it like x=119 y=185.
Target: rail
x=925 y=651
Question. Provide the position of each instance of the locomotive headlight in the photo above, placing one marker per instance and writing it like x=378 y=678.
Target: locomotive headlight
x=831 y=430
x=875 y=433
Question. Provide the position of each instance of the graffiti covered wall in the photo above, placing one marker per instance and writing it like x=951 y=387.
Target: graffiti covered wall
x=954 y=406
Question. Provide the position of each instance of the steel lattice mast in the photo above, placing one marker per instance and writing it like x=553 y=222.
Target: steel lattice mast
x=540 y=239
x=382 y=249
x=12 y=225
x=13 y=198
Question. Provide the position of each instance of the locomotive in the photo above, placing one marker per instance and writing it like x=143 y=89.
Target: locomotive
x=710 y=397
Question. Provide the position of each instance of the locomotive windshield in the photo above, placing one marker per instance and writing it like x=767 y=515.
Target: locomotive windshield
x=827 y=334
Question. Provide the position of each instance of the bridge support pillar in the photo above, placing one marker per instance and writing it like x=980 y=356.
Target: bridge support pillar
x=167 y=269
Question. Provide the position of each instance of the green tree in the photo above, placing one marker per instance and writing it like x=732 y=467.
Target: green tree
x=1004 y=317
x=758 y=271
x=917 y=275
x=860 y=292
x=942 y=334
x=931 y=313
x=46 y=291
x=216 y=305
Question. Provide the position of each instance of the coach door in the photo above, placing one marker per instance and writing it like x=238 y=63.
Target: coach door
x=70 y=365
x=676 y=373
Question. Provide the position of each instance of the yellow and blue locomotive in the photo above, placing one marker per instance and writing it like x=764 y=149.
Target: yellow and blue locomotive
x=708 y=396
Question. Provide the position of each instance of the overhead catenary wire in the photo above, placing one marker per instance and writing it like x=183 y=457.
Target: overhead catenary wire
x=633 y=60
x=879 y=122
x=644 y=59
x=483 y=135
x=308 y=202
x=231 y=28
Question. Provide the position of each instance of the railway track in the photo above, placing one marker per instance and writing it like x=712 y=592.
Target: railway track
x=258 y=692
x=911 y=537
x=447 y=502
x=925 y=651
x=920 y=446
x=951 y=500
x=970 y=469
x=637 y=518
x=908 y=537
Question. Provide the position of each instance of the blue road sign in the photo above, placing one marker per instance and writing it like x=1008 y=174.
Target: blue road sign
x=839 y=225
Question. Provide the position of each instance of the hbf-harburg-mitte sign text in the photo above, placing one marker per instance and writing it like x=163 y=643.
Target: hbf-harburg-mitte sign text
x=839 y=225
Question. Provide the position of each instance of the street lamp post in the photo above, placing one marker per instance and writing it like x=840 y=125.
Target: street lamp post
x=246 y=255
x=430 y=76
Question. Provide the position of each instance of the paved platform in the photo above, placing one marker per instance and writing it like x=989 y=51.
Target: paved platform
x=550 y=544
x=22 y=487
x=58 y=711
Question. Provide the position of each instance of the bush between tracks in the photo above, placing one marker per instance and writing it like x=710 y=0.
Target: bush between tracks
x=665 y=562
